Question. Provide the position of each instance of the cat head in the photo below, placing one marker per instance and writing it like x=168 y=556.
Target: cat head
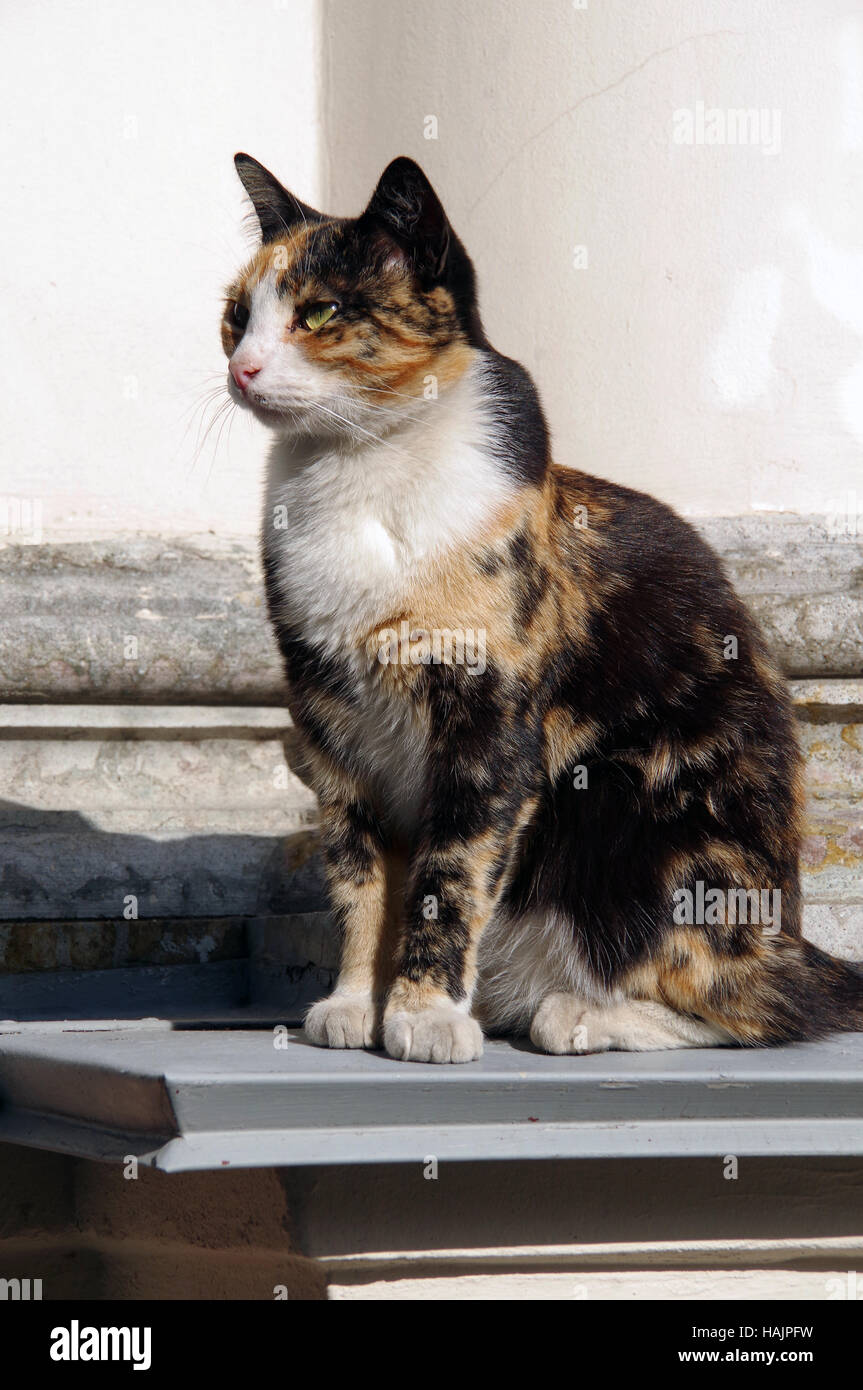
x=340 y=325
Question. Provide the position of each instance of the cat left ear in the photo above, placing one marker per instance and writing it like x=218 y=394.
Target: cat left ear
x=277 y=210
x=410 y=211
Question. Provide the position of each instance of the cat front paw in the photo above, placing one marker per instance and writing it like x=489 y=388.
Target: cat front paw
x=561 y=1025
x=433 y=1035
x=343 y=1020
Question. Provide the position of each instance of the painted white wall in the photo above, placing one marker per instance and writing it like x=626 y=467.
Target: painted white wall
x=123 y=223
x=710 y=351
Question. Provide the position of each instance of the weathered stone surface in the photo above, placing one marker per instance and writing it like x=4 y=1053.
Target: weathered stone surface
x=37 y=946
x=58 y=865
x=195 y=813
x=293 y=961
x=195 y=608
x=830 y=715
x=835 y=927
x=115 y=780
x=175 y=621
x=172 y=993
x=193 y=722
x=834 y=759
x=803 y=579
x=828 y=701
x=832 y=854
x=178 y=812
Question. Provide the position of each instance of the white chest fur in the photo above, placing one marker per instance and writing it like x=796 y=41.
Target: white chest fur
x=347 y=532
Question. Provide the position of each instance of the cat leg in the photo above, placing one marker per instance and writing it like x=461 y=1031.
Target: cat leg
x=476 y=811
x=427 y=1016
x=565 y=1023
x=360 y=879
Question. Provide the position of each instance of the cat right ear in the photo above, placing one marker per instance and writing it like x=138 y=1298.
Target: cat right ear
x=406 y=205
x=276 y=209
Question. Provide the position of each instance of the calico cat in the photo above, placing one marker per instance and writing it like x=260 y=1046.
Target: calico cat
x=559 y=785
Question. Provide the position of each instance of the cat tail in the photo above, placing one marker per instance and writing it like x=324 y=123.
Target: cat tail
x=833 y=990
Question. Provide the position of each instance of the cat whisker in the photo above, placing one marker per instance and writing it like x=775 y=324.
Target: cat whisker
x=399 y=413
x=223 y=409
x=378 y=439
x=390 y=391
x=227 y=419
x=196 y=411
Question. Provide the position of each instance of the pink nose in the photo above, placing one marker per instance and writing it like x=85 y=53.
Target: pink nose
x=243 y=374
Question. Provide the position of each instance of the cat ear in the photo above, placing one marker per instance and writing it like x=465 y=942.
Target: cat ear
x=407 y=206
x=276 y=208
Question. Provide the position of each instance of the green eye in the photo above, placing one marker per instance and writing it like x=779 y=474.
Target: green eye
x=318 y=315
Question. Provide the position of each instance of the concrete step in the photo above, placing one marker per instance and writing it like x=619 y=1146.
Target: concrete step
x=127 y=813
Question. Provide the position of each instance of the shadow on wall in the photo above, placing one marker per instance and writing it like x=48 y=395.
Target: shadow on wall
x=57 y=865
x=193 y=927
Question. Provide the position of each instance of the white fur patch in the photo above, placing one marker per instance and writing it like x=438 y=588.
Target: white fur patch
x=363 y=517
x=443 y=1034
x=522 y=960
x=285 y=377
x=564 y=1023
x=342 y=1020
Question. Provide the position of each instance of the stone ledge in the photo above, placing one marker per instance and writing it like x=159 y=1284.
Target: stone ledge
x=187 y=994
x=291 y=962
x=133 y=722
x=195 y=607
x=154 y=619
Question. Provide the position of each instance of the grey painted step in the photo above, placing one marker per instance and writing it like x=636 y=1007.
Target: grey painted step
x=213 y=1099
x=162 y=620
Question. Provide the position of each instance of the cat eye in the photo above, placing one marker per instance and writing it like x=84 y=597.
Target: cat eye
x=317 y=315
x=240 y=315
